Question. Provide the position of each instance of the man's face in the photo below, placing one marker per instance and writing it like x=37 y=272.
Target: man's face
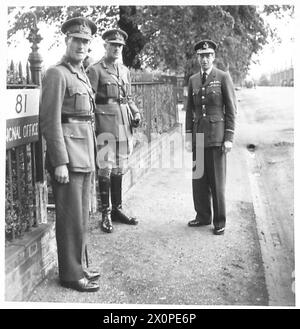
x=206 y=60
x=77 y=48
x=114 y=50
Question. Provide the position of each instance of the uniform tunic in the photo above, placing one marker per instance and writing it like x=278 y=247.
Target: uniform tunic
x=211 y=110
x=114 y=110
x=67 y=94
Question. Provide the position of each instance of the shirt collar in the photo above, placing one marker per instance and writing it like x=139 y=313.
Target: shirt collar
x=66 y=62
x=208 y=71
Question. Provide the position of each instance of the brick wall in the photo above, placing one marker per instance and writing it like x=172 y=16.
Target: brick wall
x=28 y=261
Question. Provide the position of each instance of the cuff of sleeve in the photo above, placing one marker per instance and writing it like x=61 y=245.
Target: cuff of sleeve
x=134 y=109
x=57 y=154
x=229 y=135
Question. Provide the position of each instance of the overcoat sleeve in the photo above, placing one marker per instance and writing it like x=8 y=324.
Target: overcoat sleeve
x=53 y=91
x=229 y=99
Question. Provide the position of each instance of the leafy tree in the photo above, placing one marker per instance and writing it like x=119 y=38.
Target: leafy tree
x=163 y=37
x=263 y=81
x=136 y=39
x=279 y=11
x=23 y=18
x=171 y=32
x=247 y=37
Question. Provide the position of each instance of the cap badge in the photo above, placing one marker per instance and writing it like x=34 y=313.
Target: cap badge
x=118 y=35
x=205 y=45
x=84 y=29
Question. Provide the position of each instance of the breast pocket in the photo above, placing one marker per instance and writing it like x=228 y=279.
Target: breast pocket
x=110 y=89
x=214 y=95
x=81 y=100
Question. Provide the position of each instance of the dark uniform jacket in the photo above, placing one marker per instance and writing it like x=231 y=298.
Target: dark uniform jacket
x=114 y=105
x=65 y=93
x=211 y=107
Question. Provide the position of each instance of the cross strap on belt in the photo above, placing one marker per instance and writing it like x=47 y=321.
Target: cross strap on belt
x=103 y=101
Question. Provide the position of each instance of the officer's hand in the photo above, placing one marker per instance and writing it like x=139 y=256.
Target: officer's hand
x=136 y=120
x=188 y=146
x=61 y=174
x=227 y=146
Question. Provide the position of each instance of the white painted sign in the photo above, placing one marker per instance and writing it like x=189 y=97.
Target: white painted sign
x=21 y=103
x=22 y=116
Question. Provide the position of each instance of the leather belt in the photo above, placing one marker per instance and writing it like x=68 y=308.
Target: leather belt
x=103 y=101
x=76 y=119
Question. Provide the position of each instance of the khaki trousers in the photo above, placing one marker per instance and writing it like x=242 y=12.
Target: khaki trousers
x=72 y=213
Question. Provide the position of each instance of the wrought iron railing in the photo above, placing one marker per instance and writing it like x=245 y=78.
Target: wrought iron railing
x=21 y=204
x=24 y=161
x=158 y=106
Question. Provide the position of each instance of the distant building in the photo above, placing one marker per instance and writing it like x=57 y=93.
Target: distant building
x=283 y=78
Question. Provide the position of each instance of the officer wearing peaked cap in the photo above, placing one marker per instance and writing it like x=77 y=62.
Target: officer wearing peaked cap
x=205 y=47
x=66 y=123
x=211 y=110
x=79 y=27
x=116 y=36
x=115 y=115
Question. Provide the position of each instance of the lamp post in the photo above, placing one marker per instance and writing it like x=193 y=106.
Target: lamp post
x=35 y=59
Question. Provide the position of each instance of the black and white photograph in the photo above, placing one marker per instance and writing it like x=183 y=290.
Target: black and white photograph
x=149 y=158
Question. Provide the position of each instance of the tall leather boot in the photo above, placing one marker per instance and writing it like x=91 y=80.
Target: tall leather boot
x=104 y=187
x=117 y=213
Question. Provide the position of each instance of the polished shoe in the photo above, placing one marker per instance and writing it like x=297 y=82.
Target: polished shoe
x=106 y=224
x=82 y=285
x=196 y=222
x=219 y=231
x=117 y=215
x=91 y=275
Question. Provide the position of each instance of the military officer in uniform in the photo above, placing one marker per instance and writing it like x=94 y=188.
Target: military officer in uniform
x=115 y=115
x=211 y=110
x=66 y=111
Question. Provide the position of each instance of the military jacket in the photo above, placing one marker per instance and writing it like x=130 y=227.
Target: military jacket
x=211 y=107
x=65 y=92
x=114 y=105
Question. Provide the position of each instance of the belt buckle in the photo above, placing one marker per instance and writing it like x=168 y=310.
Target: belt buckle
x=112 y=101
x=72 y=120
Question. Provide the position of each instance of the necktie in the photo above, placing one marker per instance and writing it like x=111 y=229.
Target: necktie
x=204 y=75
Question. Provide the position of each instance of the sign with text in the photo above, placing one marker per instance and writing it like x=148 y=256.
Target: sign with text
x=22 y=116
